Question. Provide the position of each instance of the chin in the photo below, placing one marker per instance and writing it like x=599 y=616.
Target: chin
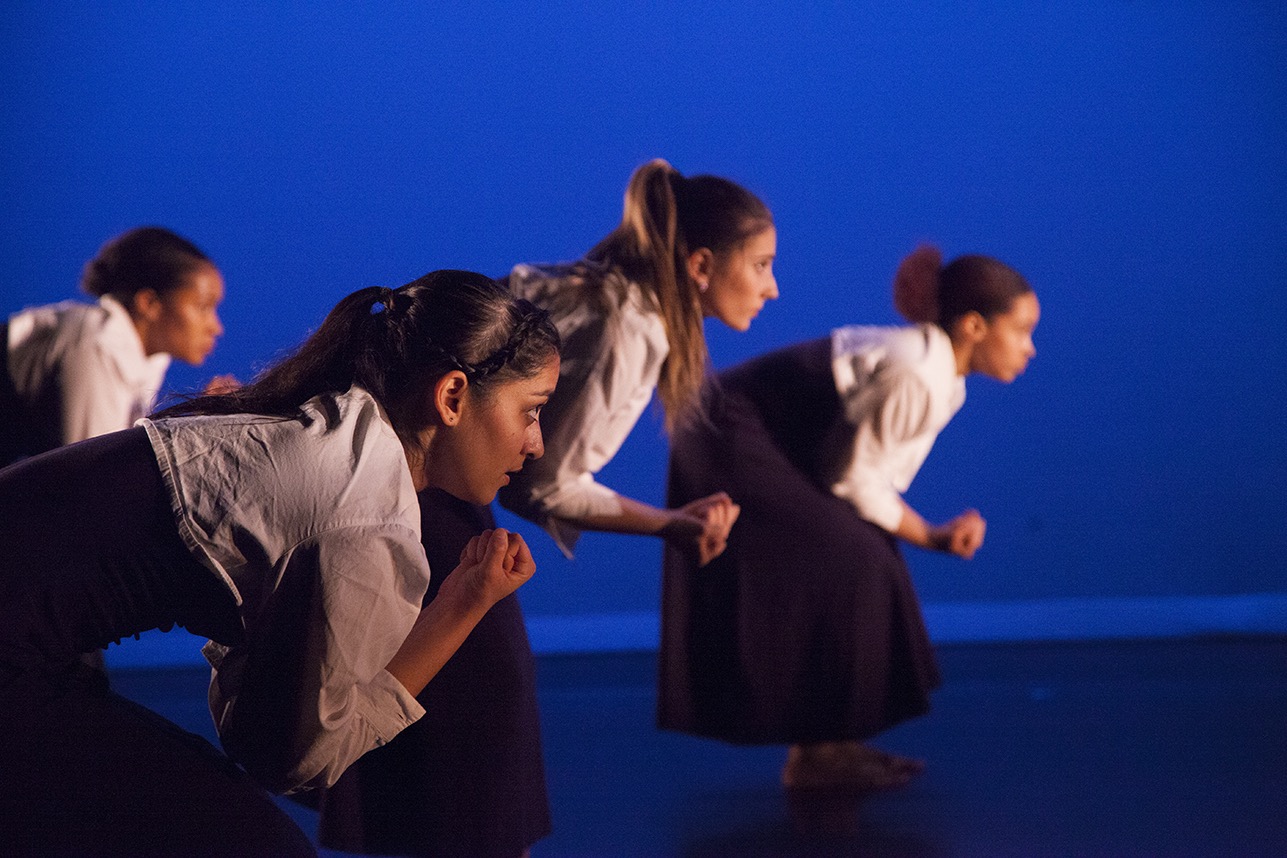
x=469 y=495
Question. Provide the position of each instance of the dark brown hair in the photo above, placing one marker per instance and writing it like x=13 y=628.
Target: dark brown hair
x=395 y=342
x=149 y=257
x=926 y=291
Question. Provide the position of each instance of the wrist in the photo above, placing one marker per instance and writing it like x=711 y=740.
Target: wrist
x=463 y=596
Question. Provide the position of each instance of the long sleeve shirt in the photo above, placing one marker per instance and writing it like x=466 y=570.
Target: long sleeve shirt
x=313 y=525
x=614 y=344
x=899 y=387
x=81 y=370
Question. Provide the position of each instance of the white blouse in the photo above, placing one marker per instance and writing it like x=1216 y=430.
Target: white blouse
x=899 y=387
x=82 y=367
x=614 y=343
x=324 y=505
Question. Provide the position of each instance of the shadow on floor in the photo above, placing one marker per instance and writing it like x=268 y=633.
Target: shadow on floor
x=1159 y=748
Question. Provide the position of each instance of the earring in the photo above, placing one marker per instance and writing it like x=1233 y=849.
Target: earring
x=703 y=285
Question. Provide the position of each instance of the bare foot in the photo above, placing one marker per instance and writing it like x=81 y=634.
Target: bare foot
x=846 y=765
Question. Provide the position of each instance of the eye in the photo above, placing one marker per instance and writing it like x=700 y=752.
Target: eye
x=534 y=413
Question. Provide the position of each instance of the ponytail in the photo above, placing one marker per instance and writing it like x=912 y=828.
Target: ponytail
x=665 y=217
x=927 y=292
x=916 y=285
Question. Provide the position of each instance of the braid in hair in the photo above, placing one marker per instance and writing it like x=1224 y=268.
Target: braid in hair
x=531 y=321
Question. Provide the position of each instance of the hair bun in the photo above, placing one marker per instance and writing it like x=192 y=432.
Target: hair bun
x=916 y=285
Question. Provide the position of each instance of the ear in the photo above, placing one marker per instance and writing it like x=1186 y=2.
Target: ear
x=449 y=397
x=701 y=265
x=146 y=304
x=973 y=326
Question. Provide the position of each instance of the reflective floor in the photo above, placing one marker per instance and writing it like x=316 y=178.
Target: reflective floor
x=1171 y=748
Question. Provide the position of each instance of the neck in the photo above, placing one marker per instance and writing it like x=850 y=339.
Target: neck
x=962 y=351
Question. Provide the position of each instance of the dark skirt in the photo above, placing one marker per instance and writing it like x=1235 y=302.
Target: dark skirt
x=807 y=628
x=26 y=428
x=468 y=778
x=91 y=555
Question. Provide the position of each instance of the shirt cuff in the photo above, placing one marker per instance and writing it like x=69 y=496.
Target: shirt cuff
x=882 y=508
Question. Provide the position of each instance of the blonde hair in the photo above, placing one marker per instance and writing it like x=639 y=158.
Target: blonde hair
x=665 y=217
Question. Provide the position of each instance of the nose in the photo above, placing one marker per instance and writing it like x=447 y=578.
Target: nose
x=535 y=446
x=217 y=328
x=772 y=291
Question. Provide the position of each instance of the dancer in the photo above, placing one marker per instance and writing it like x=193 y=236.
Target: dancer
x=807 y=631
x=469 y=778
x=280 y=521
x=78 y=370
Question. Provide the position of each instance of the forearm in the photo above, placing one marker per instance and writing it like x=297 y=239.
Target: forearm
x=634 y=517
x=438 y=632
x=916 y=530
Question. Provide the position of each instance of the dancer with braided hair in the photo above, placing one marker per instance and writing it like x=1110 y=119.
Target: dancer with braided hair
x=471 y=781
x=807 y=631
x=280 y=521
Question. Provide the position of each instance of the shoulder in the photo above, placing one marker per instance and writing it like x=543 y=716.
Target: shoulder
x=337 y=465
x=596 y=307
x=65 y=317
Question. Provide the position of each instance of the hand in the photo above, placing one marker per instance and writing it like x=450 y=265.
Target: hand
x=962 y=535
x=221 y=384
x=708 y=521
x=494 y=563
x=718 y=514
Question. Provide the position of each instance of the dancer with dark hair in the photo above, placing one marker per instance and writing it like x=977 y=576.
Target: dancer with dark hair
x=807 y=631
x=469 y=778
x=279 y=520
x=77 y=370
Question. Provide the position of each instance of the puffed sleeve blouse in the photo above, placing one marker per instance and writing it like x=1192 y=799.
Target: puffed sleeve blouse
x=614 y=344
x=313 y=525
x=81 y=369
x=899 y=387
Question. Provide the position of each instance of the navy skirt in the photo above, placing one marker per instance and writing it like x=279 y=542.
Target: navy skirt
x=91 y=555
x=467 y=779
x=807 y=628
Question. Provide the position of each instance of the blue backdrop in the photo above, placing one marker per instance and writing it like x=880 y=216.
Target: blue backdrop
x=1130 y=158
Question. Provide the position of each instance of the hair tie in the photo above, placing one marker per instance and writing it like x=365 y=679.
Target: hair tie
x=382 y=303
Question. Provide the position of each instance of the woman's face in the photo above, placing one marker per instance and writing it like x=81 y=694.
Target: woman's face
x=741 y=280
x=187 y=319
x=492 y=437
x=1006 y=347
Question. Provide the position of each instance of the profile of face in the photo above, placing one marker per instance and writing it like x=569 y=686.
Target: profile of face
x=488 y=436
x=735 y=284
x=184 y=322
x=1005 y=347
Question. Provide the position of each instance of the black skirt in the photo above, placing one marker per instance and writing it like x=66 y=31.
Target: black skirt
x=90 y=555
x=807 y=628
x=468 y=778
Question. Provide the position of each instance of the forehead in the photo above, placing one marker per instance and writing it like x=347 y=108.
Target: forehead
x=203 y=284
x=533 y=387
x=763 y=242
x=757 y=246
x=1024 y=311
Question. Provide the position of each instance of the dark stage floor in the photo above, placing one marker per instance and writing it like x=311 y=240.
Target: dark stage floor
x=1173 y=748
